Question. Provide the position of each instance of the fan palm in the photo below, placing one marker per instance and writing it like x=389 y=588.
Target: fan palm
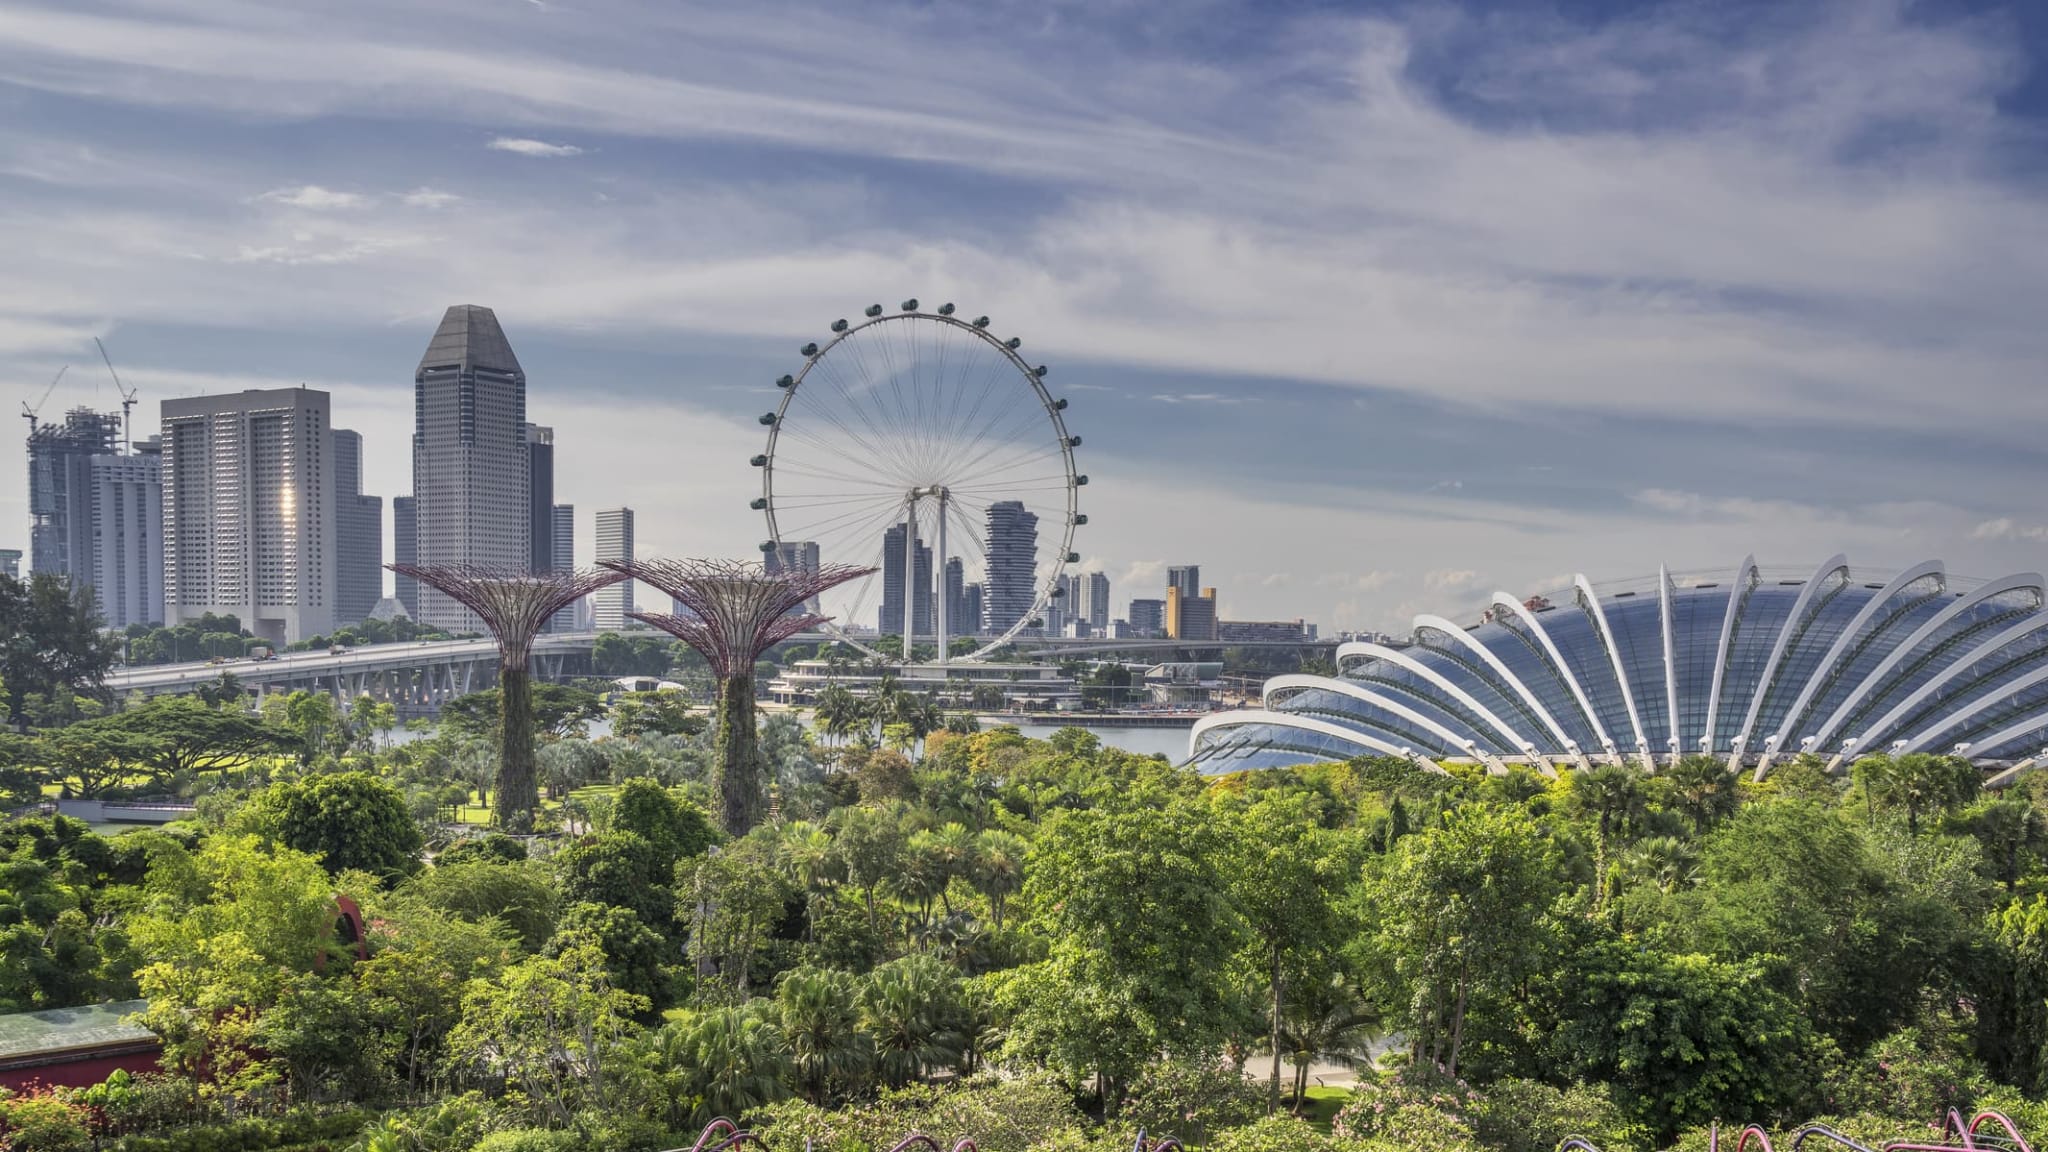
x=820 y=1016
x=999 y=869
x=1327 y=1021
x=911 y=1008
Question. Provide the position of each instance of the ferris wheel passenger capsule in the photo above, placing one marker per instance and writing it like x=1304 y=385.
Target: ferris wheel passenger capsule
x=1060 y=405
x=910 y=305
x=767 y=546
x=1073 y=557
x=1080 y=518
x=786 y=382
x=874 y=310
x=981 y=321
x=768 y=419
x=1073 y=441
x=1081 y=481
x=1013 y=343
x=759 y=461
x=809 y=349
x=839 y=325
x=1039 y=371
x=759 y=503
x=945 y=309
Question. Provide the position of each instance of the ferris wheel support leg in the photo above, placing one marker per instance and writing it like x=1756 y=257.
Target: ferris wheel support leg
x=909 y=577
x=939 y=583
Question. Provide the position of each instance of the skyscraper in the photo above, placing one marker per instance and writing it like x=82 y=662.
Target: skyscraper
x=10 y=562
x=540 y=489
x=59 y=481
x=562 y=550
x=970 y=615
x=614 y=542
x=358 y=535
x=1148 y=617
x=891 y=621
x=1186 y=577
x=1190 y=617
x=795 y=556
x=469 y=456
x=958 y=622
x=124 y=509
x=1092 y=599
x=405 y=549
x=248 y=483
x=1012 y=548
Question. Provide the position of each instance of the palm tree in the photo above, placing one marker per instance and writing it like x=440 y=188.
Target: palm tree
x=728 y=1061
x=837 y=711
x=911 y=1008
x=819 y=1009
x=1328 y=1021
x=922 y=876
x=1704 y=789
x=999 y=871
x=1666 y=861
x=1613 y=795
x=805 y=853
x=952 y=851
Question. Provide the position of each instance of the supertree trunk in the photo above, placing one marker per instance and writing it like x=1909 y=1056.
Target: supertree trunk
x=518 y=791
x=739 y=772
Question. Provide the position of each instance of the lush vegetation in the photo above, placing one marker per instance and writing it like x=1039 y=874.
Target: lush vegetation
x=1043 y=944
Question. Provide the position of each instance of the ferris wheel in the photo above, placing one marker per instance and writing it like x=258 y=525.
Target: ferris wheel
x=923 y=445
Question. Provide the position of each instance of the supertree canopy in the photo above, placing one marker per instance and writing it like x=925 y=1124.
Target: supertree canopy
x=733 y=612
x=514 y=606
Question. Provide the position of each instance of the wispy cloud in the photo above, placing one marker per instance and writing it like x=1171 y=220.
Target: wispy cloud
x=429 y=198
x=528 y=147
x=314 y=197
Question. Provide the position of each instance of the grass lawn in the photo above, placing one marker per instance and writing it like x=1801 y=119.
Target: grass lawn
x=1323 y=1104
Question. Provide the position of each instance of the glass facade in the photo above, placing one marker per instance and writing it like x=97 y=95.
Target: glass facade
x=1836 y=663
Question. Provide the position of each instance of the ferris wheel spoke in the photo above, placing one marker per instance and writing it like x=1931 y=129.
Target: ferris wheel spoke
x=863 y=469
x=879 y=439
x=1030 y=456
x=826 y=413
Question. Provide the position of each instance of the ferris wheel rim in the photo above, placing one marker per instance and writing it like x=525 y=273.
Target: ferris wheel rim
x=1043 y=590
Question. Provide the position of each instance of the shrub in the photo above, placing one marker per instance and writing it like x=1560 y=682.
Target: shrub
x=527 y=1140
x=42 y=1122
x=1280 y=1133
x=1414 y=1109
x=1525 y=1116
x=1191 y=1099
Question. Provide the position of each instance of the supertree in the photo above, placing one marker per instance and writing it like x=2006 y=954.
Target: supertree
x=514 y=606
x=734 y=611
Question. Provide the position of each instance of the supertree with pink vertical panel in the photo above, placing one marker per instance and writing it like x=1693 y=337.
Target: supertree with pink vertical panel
x=733 y=612
x=514 y=606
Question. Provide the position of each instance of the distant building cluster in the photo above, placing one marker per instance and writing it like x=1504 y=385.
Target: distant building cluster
x=251 y=503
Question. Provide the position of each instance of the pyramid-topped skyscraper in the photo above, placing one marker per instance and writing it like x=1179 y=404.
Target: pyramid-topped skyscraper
x=469 y=455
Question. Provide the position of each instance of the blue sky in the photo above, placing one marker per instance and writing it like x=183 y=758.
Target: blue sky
x=1369 y=309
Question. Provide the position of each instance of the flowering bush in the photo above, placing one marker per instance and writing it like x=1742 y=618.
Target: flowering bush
x=42 y=1122
x=1280 y=1133
x=1412 y=1110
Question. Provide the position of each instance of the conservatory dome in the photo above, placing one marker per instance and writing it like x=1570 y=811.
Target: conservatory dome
x=1756 y=665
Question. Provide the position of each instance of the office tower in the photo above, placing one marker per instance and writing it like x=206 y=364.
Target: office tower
x=469 y=456
x=405 y=549
x=970 y=610
x=125 y=559
x=540 y=488
x=1012 y=549
x=614 y=542
x=1187 y=578
x=59 y=477
x=794 y=556
x=891 y=621
x=1198 y=616
x=1148 y=617
x=10 y=562
x=358 y=535
x=957 y=621
x=562 y=529
x=248 y=484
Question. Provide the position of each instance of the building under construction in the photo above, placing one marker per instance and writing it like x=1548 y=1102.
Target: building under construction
x=60 y=489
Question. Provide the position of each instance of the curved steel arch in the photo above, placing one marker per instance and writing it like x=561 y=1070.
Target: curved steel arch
x=1247 y=716
x=1308 y=683
x=1919 y=741
x=1876 y=731
x=1738 y=592
x=1842 y=643
x=1670 y=661
x=1794 y=622
x=1884 y=668
x=1558 y=665
x=1485 y=654
x=1395 y=656
x=1628 y=696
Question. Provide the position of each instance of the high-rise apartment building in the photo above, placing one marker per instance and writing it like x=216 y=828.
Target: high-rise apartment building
x=124 y=561
x=405 y=549
x=59 y=489
x=248 y=482
x=891 y=618
x=469 y=456
x=794 y=556
x=1091 y=602
x=1012 y=549
x=1148 y=617
x=562 y=550
x=1187 y=578
x=358 y=535
x=1190 y=617
x=540 y=495
x=610 y=605
x=10 y=562
x=958 y=623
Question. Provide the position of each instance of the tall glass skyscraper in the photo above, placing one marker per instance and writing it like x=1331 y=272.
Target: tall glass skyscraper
x=1012 y=564
x=358 y=534
x=469 y=456
x=891 y=620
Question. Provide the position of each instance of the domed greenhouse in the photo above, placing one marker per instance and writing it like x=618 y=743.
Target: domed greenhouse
x=1756 y=664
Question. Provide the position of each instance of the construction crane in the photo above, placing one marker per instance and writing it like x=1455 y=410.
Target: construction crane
x=30 y=414
x=127 y=397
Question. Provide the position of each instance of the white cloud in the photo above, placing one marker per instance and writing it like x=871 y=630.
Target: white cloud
x=429 y=198
x=314 y=197
x=527 y=147
x=2003 y=528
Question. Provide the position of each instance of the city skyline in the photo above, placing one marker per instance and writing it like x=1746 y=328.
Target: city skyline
x=1307 y=335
